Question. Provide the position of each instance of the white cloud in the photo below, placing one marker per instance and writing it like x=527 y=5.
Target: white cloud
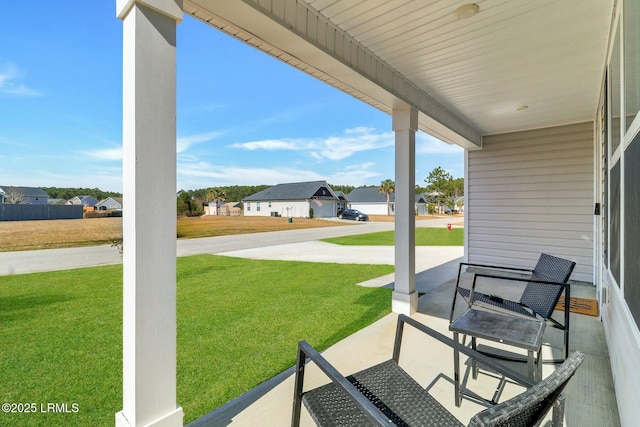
x=186 y=142
x=10 y=82
x=355 y=175
x=332 y=148
x=200 y=174
x=114 y=153
x=268 y=144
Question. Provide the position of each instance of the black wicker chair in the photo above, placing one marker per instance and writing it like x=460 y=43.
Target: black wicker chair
x=385 y=395
x=545 y=284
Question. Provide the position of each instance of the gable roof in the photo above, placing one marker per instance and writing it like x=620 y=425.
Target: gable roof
x=26 y=191
x=295 y=191
x=118 y=200
x=369 y=195
x=373 y=195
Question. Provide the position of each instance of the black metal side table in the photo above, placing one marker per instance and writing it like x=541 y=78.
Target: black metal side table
x=521 y=332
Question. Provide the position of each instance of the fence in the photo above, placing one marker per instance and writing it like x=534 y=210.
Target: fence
x=10 y=212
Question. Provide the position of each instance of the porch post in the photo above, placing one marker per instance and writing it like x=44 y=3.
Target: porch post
x=149 y=217
x=405 y=297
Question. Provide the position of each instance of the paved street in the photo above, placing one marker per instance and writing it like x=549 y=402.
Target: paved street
x=260 y=245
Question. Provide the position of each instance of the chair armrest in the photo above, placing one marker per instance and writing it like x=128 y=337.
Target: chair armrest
x=497 y=267
x=522 y=279
x=481 y=358
x=305 y=350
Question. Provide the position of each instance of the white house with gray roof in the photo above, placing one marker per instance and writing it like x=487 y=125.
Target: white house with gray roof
x=24 y=195
x=294 y=199
x=372 y=202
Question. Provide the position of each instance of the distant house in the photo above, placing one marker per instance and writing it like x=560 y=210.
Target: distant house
x=88 y=201
x=110 y=203
x=223 y=208
x=293 y=200
x=372 y=202
x=25 y=195
x=342 y=201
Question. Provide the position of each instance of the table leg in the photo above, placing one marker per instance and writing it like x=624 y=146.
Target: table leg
x=474 y=362
x=456 y=373
x=530 y=365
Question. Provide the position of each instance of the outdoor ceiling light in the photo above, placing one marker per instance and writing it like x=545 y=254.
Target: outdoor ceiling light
x=466 y=11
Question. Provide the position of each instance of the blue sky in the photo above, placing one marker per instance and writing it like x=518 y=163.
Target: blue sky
x=244 y=118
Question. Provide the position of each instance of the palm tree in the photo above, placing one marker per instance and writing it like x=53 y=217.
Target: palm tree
x=216 y=195
x=387 y=187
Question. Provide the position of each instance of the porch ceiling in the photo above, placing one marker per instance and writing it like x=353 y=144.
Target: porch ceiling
x=467 y=77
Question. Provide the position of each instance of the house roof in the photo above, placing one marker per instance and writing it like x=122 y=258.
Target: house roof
x=115 y=199
x=373 y=195
x=369 y=195
x=295 y=191
x=26 y=191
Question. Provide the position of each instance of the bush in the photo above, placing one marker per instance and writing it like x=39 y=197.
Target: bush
x=310 y=212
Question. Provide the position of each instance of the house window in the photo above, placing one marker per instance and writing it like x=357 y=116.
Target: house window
x=248 y=206
x=632 y=227
x=258 y=206
x=614 y=222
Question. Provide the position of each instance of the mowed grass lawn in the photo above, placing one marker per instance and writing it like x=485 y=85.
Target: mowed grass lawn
x=239 y=322
x=425 y=236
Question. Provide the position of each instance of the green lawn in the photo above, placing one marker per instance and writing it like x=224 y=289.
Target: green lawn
x=238 y=324
x=424 y=237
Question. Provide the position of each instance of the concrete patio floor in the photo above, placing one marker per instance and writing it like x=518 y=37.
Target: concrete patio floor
x=590 y=398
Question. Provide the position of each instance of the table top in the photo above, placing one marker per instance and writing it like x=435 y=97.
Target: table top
x=513 y=330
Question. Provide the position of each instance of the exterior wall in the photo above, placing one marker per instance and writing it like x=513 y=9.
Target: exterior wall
x=531 y=192
x=371 y=208
x=623 y=340
x=292 y=208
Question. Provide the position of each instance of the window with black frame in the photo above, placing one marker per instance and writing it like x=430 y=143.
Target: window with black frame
x=632 y=227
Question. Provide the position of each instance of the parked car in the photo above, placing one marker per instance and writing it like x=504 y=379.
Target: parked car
x=353 y=214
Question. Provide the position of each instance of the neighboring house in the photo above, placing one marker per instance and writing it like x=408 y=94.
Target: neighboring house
x=110 y=203
x=342 y=201
x=214 y=207
x=293 y=200
x=372 y=202
x=27 y=195
x=231 y=209
x=421 y=204
x=88 y=201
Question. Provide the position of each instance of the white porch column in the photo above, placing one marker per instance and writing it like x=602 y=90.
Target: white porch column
x=149 y=220
x=405 y=297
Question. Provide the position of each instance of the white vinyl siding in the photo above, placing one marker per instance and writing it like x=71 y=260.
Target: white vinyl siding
x=531 y=192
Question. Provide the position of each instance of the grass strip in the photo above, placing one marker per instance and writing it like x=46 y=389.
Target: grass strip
x=425 y=236
x=238 y=325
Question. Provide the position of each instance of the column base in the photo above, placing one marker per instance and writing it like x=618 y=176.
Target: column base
x=172 y=419
x=406 y=304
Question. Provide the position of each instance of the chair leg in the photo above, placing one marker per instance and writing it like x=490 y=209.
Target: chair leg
x=558 y=412
x=297 y=391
